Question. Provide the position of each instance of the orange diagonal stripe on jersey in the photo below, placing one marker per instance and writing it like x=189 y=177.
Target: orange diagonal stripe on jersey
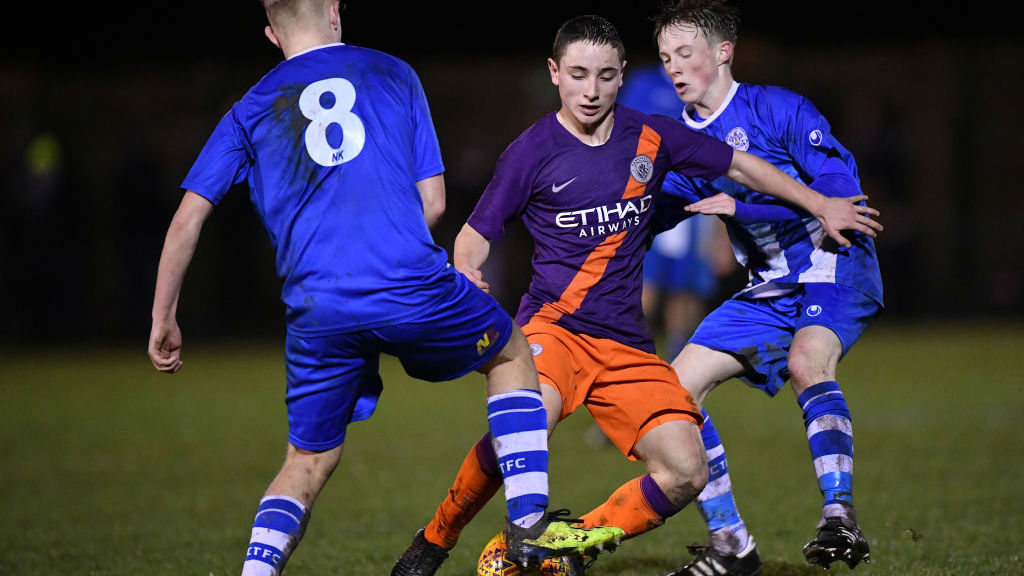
x=593 y=268
x=650 y=142
x=590 y=272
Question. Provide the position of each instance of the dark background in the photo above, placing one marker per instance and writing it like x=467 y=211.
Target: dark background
x=105 y=110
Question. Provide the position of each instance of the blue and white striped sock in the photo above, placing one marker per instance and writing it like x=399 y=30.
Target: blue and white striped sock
x=830 y=437
x=716 y=503
x=519 y=431
x=276 y=531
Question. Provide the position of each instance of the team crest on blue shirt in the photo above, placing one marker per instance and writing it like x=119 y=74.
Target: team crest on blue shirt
x=642 y=168
x=737 y=138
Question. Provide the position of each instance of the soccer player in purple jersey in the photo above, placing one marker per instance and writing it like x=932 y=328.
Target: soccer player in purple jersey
x=583 y=180
x=337 y=146
x=807 y=303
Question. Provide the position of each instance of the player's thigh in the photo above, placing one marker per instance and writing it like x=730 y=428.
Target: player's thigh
x=757 y=333
x=700 y=369
x=332 y=381
x=813 y=357
x=635 y=393
x=456 y=336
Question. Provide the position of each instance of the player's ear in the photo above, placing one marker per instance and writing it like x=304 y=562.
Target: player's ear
x=725 y=52
x=622 y=70
x=271 y=36
x=553 y=70
x=335 y=15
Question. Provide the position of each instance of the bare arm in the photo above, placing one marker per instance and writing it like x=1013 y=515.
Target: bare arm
x=470 y=253
x=432 y=193
x=179 y=246
x=835 y=214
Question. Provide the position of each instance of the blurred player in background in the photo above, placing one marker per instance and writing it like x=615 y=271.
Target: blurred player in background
x=807 y=302
x=583 y=180
x=339 y=151
x=684 y=264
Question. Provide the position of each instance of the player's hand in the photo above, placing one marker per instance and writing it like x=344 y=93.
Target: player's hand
x=720 y=204
x=165 y=346
x=847 y=214
x=477 y=277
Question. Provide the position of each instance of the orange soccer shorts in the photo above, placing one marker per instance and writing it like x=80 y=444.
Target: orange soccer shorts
x=627 y=391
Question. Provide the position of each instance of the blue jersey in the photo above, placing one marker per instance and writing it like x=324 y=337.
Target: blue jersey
x=787 y=131
x=332 y=142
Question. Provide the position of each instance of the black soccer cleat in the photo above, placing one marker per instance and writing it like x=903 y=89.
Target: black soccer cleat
x=710 y=562
x=554 y=535
x=421 y=558
x=837 y=541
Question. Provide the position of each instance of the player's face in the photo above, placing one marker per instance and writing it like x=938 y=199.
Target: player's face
x=588 y=77
x=691 y=62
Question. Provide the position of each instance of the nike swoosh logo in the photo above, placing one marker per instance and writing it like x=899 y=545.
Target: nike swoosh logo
x=557 y=189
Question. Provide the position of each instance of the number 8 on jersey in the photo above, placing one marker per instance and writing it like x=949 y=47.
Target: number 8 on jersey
x=328 y=102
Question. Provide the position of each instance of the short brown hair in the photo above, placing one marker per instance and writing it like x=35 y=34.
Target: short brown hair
x=716 y=19
x=592 y=29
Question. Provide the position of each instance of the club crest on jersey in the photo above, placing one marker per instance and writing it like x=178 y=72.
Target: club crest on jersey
x=815 y=137
x=536 y=349
x=642 y=168
x=737 y=138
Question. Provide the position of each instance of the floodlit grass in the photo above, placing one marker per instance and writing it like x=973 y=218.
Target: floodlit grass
x=110 y=468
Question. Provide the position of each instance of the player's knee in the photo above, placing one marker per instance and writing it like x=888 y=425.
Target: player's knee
x=694 y=478
x=317 y=464
x=806 y=369
x=683 y=478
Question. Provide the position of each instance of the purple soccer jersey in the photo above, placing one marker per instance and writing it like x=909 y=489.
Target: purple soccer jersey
x=588 y=209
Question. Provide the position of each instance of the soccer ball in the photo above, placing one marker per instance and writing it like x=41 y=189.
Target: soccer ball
x=493 y=562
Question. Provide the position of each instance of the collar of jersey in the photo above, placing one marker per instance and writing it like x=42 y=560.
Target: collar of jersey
x=316 y=48
x=688 y=112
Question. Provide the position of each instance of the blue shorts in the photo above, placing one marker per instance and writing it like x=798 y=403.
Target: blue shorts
x=759 y=332
x=688 y=273
x=334 y=380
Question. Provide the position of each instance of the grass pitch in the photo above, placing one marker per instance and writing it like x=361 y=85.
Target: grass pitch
x=110 y=468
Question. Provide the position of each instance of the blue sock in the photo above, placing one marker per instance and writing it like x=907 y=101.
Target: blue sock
x=716 y=503
x=519 y=430
x=830 y=437
x=276 y=531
